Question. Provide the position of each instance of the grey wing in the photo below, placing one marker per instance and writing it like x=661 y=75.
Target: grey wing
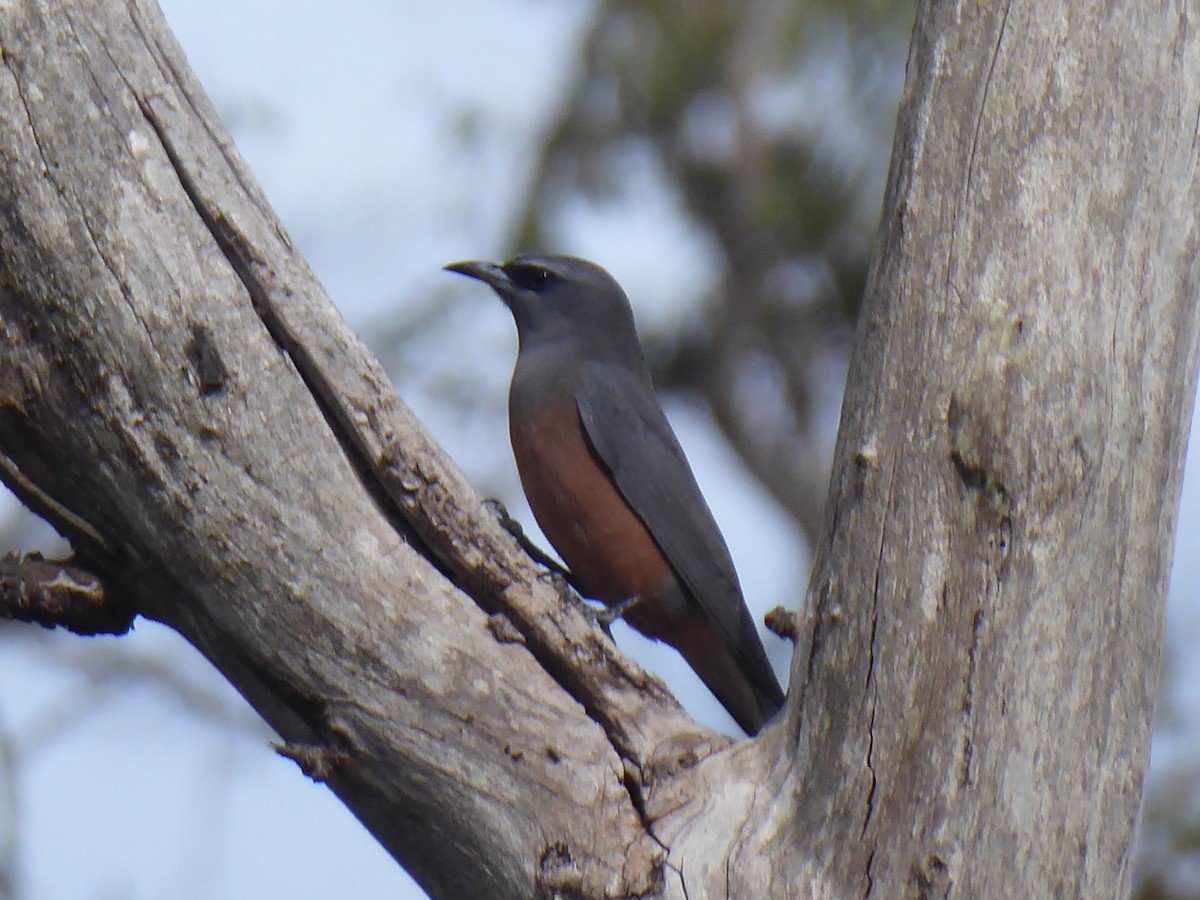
x=629 y=432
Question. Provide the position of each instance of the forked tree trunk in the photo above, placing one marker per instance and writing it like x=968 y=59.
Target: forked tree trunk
x=971 y=694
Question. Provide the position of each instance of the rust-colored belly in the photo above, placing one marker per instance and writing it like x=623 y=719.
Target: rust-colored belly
x=606 y=546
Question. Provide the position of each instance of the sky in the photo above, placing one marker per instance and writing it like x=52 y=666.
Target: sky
x=392 y=137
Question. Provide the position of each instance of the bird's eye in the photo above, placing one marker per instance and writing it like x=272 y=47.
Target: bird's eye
x=531 y=278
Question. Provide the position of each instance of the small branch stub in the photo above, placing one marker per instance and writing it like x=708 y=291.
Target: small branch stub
x=783 y=622
x=316 y=761
x=59 y=593
x=504 y=630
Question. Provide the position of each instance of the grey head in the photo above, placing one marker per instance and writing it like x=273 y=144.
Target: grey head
x=562 y=300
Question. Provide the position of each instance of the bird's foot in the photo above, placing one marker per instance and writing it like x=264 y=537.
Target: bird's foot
x=569 y=594
x=496 y=507
x=610 y=614
x=513 y=527
x=563 y=587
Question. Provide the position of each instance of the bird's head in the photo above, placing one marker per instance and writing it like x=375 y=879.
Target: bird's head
x=560 y=298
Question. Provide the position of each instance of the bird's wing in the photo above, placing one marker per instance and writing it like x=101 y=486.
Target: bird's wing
x=629 y=433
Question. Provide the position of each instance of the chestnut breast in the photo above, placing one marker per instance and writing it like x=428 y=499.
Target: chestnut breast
x=605 y=545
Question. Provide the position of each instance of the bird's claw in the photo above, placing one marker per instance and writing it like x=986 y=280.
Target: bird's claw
x=496 y=507
x=564 y=584
x=513 y=527
x=610 y=614
x=562 y=587
x=596 y=610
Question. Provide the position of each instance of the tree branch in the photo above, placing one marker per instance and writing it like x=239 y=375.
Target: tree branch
x=58 y=594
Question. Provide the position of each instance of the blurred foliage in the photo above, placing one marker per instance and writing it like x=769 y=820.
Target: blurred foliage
x=1168 y=866
x=1168 y=852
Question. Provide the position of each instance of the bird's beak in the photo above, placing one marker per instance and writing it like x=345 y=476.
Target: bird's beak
x=489 y=273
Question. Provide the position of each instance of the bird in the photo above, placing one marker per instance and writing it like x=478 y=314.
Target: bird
x=608 y=482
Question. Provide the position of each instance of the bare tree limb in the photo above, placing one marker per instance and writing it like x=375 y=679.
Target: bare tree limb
x=58 y=593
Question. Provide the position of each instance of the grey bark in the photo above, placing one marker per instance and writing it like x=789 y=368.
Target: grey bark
x=970 y=703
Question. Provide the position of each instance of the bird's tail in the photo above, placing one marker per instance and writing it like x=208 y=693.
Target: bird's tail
x=743 y=682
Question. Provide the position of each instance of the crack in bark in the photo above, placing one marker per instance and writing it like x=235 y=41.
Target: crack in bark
x=871 y=771
x=973 y=476
x=632 y=782
x=683 y=885
x=964 y=775
x=63 y=189
x=870 y=690
x=975 y=141
x=871 y=741
x=6 y=59
x=172 y=73
x=987 y=85
x=738 y=839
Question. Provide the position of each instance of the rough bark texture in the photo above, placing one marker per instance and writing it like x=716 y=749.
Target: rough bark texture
x=971 y=697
